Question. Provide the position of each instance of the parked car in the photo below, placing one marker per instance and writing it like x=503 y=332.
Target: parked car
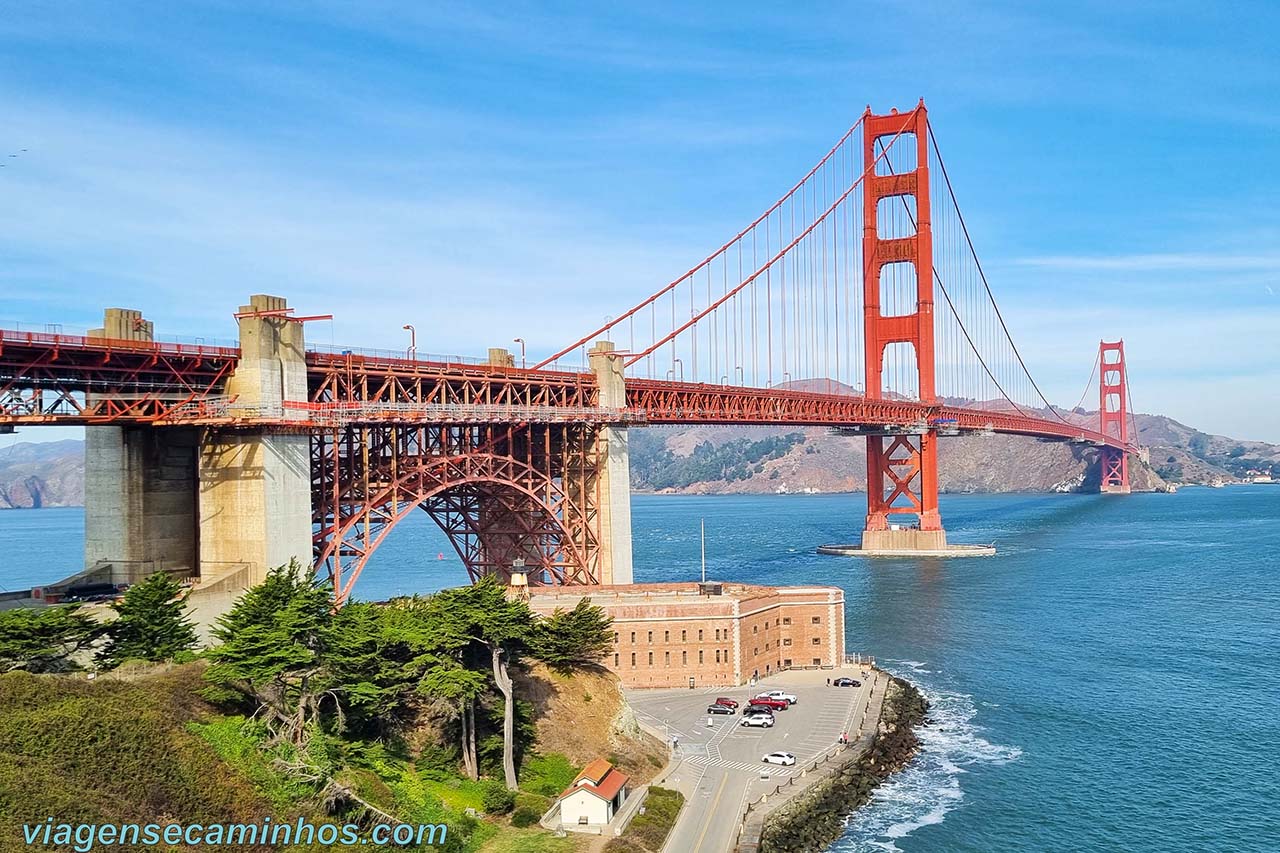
x=761 y=721
x=92 y=592
x=770 y=702
x=721 y=700
x=717 y=708
x=760 y=710
x=786 y=759
x=846 y=682
x=789 y=698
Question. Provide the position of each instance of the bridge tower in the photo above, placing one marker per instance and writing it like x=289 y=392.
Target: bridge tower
x=1113 y=416
x=902 y=469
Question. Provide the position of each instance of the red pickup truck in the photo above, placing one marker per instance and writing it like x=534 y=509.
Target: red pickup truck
x=766 y=702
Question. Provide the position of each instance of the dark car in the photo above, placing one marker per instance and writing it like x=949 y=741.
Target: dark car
x=717 y=708
x=728 y=703
x=757 y=711
x=846 y=682
x=92 y=592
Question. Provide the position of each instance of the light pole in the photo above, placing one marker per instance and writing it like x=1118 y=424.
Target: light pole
x=520 y=341
x=413 y=340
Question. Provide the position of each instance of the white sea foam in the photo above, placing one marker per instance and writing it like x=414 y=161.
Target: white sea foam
x=929 y=787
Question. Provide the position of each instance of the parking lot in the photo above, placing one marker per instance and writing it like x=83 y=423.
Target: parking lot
x=720 y=764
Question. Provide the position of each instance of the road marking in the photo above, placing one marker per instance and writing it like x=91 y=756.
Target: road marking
x=745 y=766
x=724 y=780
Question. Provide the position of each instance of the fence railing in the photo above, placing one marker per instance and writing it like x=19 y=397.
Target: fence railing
x=14 y=336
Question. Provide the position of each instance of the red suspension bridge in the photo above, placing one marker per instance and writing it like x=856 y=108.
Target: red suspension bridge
x=856 y=301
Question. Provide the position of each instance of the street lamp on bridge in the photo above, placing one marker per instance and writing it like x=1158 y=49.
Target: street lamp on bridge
x=413 y=340
x=520 y=341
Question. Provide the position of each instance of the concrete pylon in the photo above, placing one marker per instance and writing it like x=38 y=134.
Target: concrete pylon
x=615 y=469
x=255 y=485
x=140 y=495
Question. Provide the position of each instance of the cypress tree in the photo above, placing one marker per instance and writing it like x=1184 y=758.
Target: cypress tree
x=45 y=639
x=151 y=624
x=271 y=651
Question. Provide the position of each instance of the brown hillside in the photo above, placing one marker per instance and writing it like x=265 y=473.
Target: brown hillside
x=585 y=716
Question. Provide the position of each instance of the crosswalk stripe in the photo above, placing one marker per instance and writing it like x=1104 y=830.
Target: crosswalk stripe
x=746 y=766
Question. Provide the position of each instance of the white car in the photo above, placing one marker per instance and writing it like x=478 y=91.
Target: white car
x=786 y=759
x=780 y=695
x=761 y=721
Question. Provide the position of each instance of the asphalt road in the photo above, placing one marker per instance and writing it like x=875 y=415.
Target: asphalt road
x=720 y=766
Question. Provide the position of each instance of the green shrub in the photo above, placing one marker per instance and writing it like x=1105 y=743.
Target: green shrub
x=438 y=762
x=497 y=798
x=525 y=817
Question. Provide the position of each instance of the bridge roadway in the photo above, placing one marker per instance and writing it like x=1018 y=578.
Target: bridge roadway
x=55 y=379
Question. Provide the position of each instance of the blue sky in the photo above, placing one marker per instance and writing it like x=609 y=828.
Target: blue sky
x=500 y=170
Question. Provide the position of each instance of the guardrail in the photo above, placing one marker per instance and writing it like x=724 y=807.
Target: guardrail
x=340 y=414
x=12 y=336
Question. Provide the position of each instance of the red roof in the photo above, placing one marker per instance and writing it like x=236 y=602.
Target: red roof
x=600 y=778
x=595 y=771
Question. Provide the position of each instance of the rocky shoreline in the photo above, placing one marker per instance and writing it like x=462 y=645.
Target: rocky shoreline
x=815 y=819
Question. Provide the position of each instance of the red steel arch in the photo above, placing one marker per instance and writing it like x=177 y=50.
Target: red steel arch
x=499 y=492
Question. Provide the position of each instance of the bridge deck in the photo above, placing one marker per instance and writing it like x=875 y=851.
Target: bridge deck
x=75 y=380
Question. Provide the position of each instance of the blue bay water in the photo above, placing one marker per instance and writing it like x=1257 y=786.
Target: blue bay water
x=1109 y=681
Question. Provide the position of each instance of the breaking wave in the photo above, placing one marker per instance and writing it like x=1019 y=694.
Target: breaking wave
x=929 y=788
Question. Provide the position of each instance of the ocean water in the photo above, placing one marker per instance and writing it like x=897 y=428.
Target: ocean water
x=1109 y=682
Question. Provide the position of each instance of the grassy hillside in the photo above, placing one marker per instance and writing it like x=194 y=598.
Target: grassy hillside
x=114 y=750
x=141 y=746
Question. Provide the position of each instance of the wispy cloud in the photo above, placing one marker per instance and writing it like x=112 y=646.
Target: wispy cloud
x=1156 y=262
x=185 y=225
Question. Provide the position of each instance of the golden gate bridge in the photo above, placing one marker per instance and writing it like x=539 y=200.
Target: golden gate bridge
x=857 y=301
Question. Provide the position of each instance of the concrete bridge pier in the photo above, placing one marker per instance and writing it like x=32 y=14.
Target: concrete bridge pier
x=255 y=485
x=221 y=505
x=140 y=495
x=614 y=474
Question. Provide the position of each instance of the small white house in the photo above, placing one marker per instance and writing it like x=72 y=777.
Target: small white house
x=594 y=797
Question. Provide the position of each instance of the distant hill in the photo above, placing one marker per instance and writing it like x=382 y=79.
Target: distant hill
x=42 y=474
x=754 y=460
x=757 y=460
